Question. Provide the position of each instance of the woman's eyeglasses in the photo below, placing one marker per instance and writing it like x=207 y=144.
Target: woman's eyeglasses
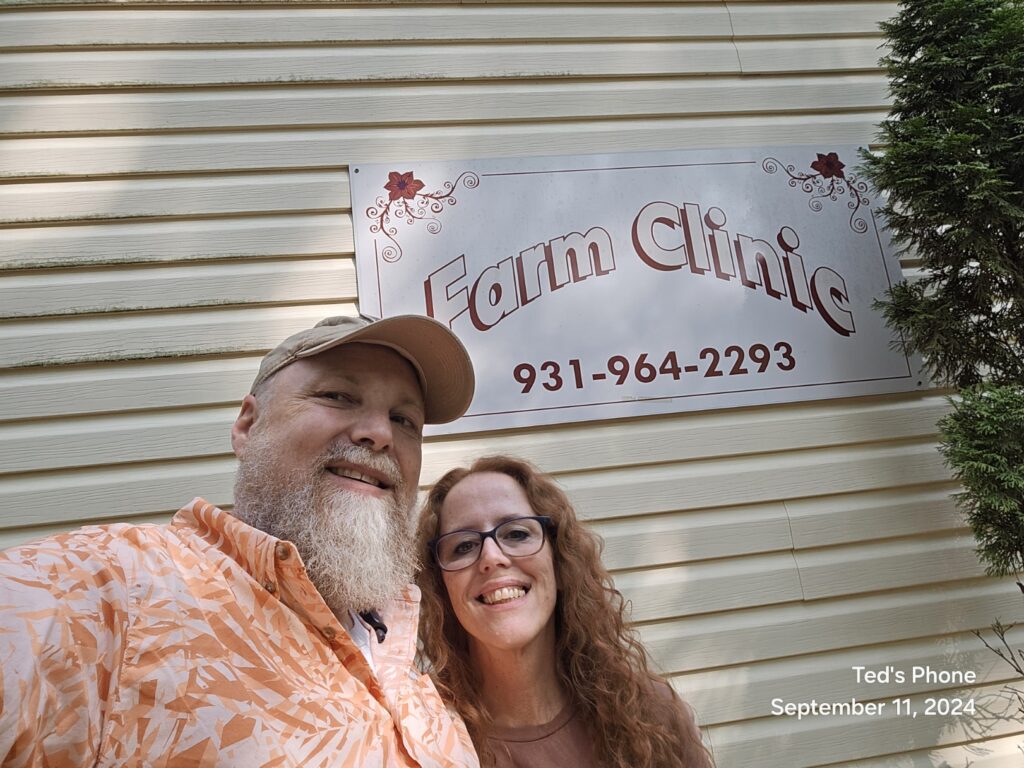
x=519 y=537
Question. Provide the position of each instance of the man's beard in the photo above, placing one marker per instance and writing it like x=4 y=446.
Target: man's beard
x=357 y=549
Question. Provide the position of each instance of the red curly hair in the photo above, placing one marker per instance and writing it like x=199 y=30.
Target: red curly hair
x=601 y=663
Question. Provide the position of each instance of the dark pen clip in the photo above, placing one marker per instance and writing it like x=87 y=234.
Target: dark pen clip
x=374 y=620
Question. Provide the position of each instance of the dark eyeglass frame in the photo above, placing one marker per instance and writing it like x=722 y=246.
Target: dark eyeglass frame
x=547 y=529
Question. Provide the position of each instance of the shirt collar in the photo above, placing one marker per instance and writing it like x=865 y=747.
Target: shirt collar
x=250 y=548
x=263 y=556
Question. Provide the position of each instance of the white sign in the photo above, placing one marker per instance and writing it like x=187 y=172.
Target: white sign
x=608 y=286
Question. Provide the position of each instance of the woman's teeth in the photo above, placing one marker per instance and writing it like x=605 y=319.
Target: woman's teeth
x=503 y=595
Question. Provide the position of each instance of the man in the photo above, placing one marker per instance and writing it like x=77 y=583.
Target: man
x=236 y=639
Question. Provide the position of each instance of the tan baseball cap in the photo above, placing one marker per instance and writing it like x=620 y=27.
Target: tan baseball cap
x=441 y=362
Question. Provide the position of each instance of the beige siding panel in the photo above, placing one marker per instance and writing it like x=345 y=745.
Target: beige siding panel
x=124 y=386
x=741 y=693
x=171 y=383
x=861 y=517
x=877 y=565
x=142 y=335
x=678 y=538
x=771 y=477
x=219 y=66
x=198 y=4
x=819 y=20
x=43 y=293
x=687 y=486
x=664 y=593
x=783 y=743
x=164 y=27
x=708 y=435
x=203 y=195
x=234 y=151
x=133 y=438
x=108 y=440
x=991 y=753
x=912 y=274
x=822 y=55
x=461 y=102
x=319 y=64
x=782 y=631
x=119 y=492
x=296 y=25
x=163 y=241
x=127 y=438
x=698 y=535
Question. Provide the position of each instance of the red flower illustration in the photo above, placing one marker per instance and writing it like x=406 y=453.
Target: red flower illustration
x=829 y=182
x=407 y=203
x=403 y=185
x=829 y=166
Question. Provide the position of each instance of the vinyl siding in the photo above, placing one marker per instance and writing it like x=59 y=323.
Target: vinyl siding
x=174 y=201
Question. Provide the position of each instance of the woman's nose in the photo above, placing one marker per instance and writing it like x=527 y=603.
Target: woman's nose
x=491 y=555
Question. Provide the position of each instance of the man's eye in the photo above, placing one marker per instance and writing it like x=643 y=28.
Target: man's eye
x=340 y=396
x=406 y=421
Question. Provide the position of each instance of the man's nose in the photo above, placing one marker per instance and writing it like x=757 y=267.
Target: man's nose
x=372 y=429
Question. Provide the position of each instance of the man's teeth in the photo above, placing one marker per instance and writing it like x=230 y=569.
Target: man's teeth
x=503 y=595
x=355 y=476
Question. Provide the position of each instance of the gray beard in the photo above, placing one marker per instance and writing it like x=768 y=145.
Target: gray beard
x=357 y=550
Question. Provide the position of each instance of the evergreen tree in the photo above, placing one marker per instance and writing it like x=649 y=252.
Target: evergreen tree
x=953 y=170
x=983 y=440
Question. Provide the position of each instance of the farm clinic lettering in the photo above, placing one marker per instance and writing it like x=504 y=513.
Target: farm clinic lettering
x=666 y=238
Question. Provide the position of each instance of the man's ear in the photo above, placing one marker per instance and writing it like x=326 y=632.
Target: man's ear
x=243 y=425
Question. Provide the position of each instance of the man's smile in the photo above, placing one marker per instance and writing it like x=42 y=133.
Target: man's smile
x=354 y=474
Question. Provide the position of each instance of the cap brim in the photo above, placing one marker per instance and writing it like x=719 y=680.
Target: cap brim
x=441 y=361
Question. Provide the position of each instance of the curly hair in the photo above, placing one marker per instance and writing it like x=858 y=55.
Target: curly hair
x=601 y=663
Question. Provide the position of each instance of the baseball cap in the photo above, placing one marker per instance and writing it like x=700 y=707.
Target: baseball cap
x=441 y=362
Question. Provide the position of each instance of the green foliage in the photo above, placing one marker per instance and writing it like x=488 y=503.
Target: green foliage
x=983 y=440
x=953 y=170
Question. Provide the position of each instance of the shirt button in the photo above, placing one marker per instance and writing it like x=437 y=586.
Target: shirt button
x=270 y=586
x=282 y=551
x=328 y=632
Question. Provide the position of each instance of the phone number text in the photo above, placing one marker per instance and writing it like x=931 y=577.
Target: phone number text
x=734 y=360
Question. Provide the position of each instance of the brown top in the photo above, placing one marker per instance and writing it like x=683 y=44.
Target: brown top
x=562 y=743
x=565 y=742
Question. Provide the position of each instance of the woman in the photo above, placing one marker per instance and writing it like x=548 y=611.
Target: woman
x=525 y=634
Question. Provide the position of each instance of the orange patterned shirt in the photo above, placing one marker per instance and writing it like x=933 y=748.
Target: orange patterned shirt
x=201 y=643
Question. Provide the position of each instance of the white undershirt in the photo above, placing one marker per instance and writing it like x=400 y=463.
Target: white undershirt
x=361 y=635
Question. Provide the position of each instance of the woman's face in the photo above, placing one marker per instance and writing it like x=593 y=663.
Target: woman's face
x=504 y=603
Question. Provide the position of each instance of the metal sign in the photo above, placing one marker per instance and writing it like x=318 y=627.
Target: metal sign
x=608 y=286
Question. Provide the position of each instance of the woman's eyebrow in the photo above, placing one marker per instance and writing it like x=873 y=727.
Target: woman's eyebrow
x=501 y=520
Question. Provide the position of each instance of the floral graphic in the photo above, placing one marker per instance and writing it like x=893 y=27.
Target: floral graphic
x=829 y=166
x=402 y=185
x=407 y=202
x=828 y=182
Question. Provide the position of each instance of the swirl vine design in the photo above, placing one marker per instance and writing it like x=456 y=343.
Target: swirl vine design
x=407 y=203
x=828 y=182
